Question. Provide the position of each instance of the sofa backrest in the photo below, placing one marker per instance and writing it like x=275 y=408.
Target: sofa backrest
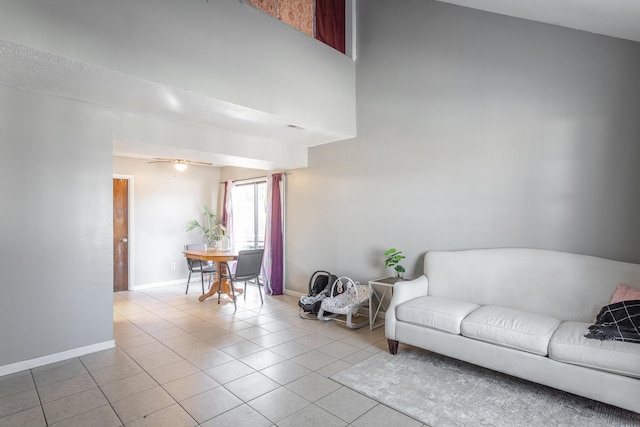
x=563 y=285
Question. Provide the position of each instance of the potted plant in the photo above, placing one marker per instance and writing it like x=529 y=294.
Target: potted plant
x=393 y=259
x=211 y=227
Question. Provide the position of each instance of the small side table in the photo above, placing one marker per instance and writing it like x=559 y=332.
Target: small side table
x=387 y=284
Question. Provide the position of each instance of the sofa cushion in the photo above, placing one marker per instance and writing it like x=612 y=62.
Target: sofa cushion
x=512 y=328
x=568 y=344
x=443 y=314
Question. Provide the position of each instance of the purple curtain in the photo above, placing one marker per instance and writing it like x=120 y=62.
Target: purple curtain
x=276 y=247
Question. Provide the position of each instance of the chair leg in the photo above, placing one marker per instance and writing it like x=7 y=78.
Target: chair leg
x=188 y=280
x=219 y=288
x=258 y=285
x=233 y=293
x=202 y=280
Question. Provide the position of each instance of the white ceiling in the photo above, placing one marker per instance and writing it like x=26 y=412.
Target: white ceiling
x=615 y=18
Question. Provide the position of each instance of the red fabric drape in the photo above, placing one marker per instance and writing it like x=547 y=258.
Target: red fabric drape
x=330 y=23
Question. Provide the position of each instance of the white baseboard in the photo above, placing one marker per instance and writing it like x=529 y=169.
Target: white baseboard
x=161 y=284
x=57 y=357
x=294 y=293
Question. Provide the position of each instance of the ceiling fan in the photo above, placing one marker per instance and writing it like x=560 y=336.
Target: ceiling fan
x=179 y=164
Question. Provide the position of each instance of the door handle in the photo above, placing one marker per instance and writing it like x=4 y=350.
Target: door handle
x=124 y=240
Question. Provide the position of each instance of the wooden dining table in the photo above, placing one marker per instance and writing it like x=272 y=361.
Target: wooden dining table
x=218 y=257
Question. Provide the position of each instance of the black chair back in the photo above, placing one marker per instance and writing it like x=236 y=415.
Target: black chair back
x=249 y=264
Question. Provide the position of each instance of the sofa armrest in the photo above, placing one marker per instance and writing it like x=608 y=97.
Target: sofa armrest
x=403 y=291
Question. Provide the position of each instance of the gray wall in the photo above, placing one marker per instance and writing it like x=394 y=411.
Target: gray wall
x=164 y=200
x=474 y=130
x=56 y=226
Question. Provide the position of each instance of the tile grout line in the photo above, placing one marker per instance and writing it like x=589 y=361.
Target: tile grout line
x=159 y=385
x=221 y=319
x=44 y=415
x=101 y=391
x=151 y=376
x=242 y=402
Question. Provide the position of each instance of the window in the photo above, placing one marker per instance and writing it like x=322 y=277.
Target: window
x=249 y=216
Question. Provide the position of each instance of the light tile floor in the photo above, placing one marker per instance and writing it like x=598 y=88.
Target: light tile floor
x=179 y=362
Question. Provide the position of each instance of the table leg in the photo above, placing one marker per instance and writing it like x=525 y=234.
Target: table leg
x=212 y=291
x=226 y=289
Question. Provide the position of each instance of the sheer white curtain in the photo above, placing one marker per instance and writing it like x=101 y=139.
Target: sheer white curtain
x=228 y=210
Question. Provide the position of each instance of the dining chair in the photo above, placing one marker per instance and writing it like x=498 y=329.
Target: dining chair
x=197 y=266
x=248 y=267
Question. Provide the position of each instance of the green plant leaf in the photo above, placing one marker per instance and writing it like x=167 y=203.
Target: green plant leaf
x=193 y=224
x=393 y=258
x=212 y=228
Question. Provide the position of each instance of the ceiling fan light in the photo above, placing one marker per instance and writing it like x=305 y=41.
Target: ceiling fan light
x=180 y=166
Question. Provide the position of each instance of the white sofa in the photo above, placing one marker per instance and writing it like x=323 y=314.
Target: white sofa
x=523 y=312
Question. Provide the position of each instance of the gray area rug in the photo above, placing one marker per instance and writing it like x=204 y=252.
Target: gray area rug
x=440 y=391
